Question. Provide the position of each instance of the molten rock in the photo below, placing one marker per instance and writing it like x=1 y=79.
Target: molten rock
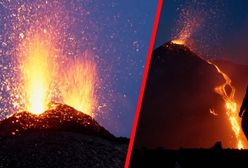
x=58 y=117
x=59 y=137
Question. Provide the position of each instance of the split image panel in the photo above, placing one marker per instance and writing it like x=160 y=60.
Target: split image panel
x=193 y=110
x=70 y=75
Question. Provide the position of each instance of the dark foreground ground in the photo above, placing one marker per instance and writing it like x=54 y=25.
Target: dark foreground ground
x=61 y=137
x=61 y=149
x=189 y=158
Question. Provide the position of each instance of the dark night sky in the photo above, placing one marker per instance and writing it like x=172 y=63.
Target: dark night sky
x=117 y=31
x=222 y=33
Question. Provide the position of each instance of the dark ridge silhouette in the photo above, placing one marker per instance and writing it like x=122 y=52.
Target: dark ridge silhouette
x=175 y=126
x=178 y=97
x=214 y=157
x=59 y=137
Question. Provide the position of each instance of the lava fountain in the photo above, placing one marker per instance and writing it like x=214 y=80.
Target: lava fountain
x=48 y=75
x=44 y=45
x=36 y=68
x=79 y=81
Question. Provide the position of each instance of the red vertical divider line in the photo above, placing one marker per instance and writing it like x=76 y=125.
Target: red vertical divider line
x=144 y=78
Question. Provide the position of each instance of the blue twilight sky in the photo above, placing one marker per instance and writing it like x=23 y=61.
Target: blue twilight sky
x=222 y=31
x=117 y=32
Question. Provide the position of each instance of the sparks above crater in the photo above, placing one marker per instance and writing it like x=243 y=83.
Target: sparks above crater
x=49 y=74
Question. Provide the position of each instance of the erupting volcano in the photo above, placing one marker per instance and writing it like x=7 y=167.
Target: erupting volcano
x=195 y=106
x=191 y=24
x=54 y=137
x=57 y=101
x=46 y=78
x=194 y=102
x=230 y=103
x=47 y=62
x=50 y=88
x=196 y=89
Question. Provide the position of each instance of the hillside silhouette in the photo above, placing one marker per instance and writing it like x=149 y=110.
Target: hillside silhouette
x=176 y=128
x=59 y=137
x=178 y=97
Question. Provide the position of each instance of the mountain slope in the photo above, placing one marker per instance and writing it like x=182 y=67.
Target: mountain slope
x=59 y=117
x=59 y=137
x=177 y=101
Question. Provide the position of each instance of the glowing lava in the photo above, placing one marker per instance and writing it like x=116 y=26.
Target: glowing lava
x=189 y=23
x=75 y=81
x=231 y=105
x=45 y=77
x=36 y=70
x=42 y=67
x=79 y=84
x=178 y=42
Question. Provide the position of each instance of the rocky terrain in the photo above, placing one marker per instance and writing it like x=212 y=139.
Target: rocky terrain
x=59 y=137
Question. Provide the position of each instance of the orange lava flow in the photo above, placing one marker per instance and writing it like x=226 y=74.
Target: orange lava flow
x=231 y=106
